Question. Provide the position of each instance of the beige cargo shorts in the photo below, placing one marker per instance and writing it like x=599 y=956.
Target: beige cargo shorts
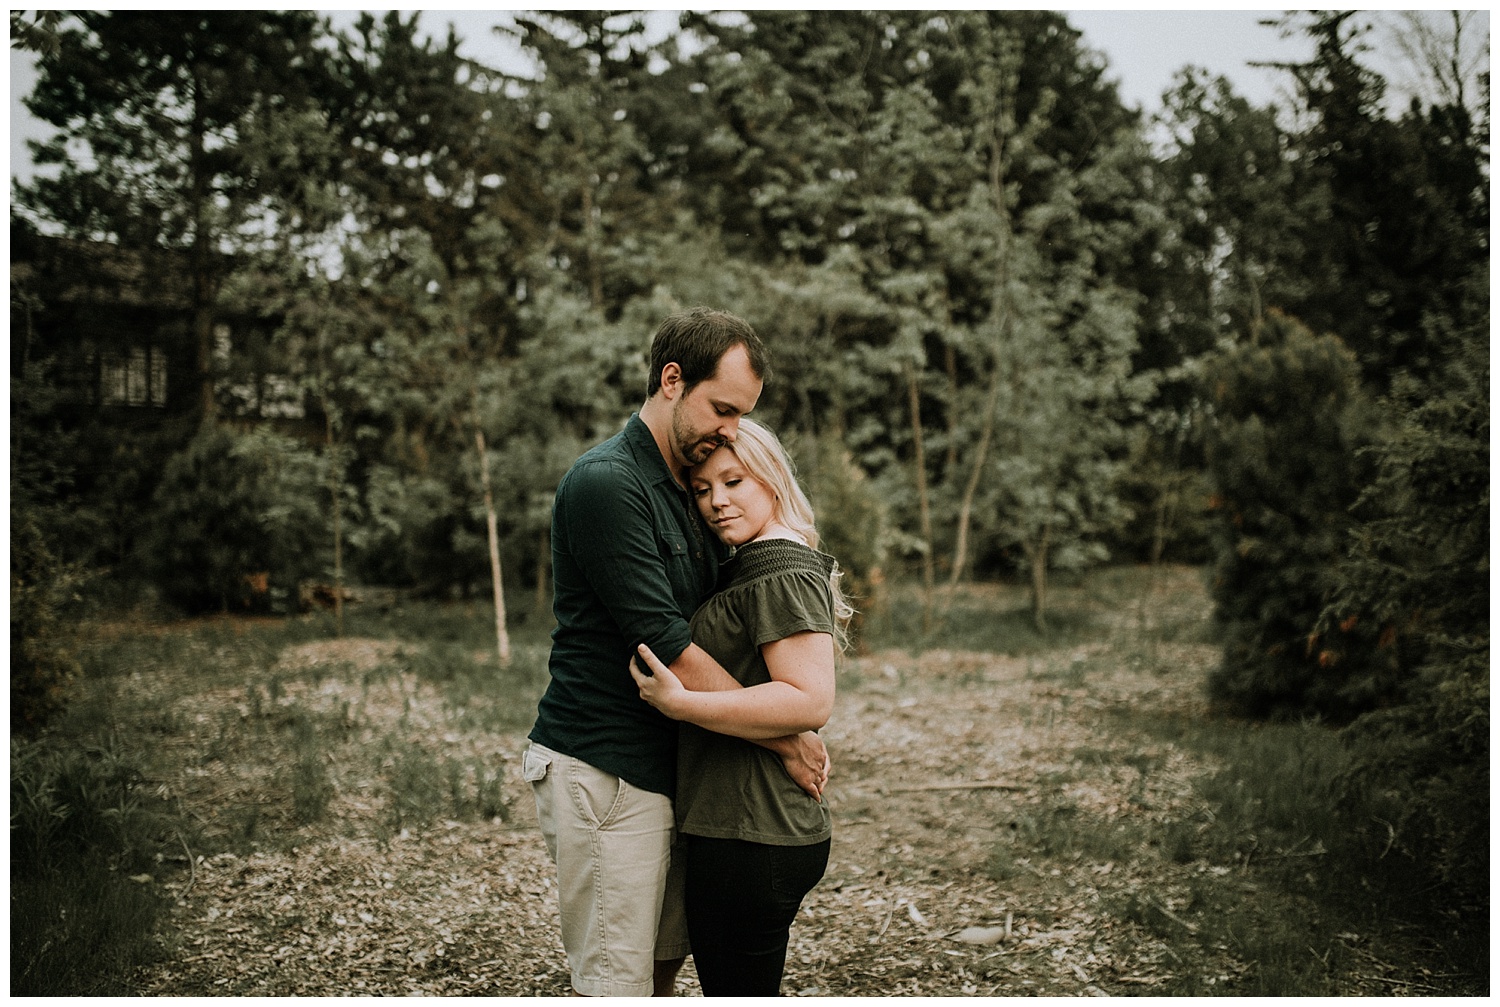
x=619 y=885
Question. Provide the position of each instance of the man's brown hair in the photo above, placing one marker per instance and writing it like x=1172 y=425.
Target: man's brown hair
x=695 y=340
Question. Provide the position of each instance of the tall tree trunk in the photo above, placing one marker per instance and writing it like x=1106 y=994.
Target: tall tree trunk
x=1002 y=312
x=336 y=487
x=543 y=568
x=950 y=363
x=924 y=510
x=981 y=455
x=1037 y=552
x=502 y=637
x=199 y=256
x=203 y=335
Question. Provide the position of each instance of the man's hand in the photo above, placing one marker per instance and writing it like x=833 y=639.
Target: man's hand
x=806 y=760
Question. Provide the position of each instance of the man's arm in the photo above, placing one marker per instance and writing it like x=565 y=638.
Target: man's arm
x=606 y=522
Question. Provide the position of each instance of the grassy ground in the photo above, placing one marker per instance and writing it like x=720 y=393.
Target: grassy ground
x=237 y=806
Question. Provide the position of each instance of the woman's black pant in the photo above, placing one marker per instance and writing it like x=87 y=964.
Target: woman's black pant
x=741 y=900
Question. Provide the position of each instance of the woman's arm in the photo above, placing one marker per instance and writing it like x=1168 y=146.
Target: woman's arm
x=803 y=754
x=798 y=698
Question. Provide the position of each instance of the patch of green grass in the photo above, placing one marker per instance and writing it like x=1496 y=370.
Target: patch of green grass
x=476 y=789
x=423 y=786
x=1285 y=813
x=486 y=696
x=84 y=821
x=417 y=790
x=79 y=930
x=1060 y=832
x=992 y=621
x=311 y=787
x=85 y=832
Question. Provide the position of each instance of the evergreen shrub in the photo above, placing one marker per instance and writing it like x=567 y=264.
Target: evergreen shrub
x=852 y=525
x=238 y=522
x=1283 y=451
x=1418 y=572
x=42 y=588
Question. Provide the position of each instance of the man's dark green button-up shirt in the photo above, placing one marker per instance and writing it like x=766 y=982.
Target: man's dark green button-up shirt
x=631 y=562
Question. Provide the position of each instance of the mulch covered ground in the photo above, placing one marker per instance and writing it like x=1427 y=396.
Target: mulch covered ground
x=941 y=762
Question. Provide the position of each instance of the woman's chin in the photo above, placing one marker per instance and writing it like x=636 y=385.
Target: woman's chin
x=734 y=535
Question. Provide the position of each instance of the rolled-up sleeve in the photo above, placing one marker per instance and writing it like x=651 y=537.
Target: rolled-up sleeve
x=607 y=525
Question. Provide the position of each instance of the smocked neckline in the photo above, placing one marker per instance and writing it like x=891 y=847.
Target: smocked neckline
x=762 y=557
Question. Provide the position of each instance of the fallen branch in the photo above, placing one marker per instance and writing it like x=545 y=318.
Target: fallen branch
x=975 y=785
x=1191 y=928
x=1402 y=982
x=192 y=867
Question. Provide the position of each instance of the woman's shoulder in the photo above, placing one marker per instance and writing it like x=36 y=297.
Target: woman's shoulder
x=773 y=557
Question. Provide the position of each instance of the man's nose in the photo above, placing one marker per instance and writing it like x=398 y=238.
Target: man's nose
x=730 y=429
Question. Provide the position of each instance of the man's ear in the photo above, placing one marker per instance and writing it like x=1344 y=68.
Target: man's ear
x=671 y=380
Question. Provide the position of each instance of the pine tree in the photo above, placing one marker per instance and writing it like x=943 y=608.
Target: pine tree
x=1290 y=421
x=167 y=107
x=1417 y=572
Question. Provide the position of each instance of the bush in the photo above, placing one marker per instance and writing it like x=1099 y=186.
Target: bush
x=238 y=522
x=84 y=839
x=1418 y=573
x=41 y=590
x=1283 y=452
x=851 y=524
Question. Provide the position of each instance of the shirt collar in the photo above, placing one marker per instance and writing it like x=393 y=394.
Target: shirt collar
x=647 y=454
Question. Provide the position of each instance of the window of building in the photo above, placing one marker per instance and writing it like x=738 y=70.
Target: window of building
x=133 y=377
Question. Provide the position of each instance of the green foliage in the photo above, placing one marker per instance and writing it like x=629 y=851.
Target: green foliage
x=1289 y=421
x=951 y=233
x=311 y=787
x=238 y=522
x=42 y=591
x=852 y=524
x=404 y=538
x=1406 y=218
x=84 y=836
x=1167 y=497
x=1418 y=570
x=423 y=786
x=1331 y=848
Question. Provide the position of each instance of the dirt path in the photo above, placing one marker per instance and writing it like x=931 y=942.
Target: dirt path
x=951 y=768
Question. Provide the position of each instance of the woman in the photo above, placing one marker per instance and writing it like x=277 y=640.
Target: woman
x=756 y=843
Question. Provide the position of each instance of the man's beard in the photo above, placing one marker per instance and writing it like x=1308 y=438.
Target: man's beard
x=690 y=446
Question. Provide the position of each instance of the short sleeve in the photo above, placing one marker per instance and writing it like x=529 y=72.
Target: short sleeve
x=784 y=604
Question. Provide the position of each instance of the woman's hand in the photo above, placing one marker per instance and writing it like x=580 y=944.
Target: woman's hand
x=659 y=686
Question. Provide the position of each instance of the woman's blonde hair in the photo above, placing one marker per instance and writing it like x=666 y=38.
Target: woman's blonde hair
x=768 y=463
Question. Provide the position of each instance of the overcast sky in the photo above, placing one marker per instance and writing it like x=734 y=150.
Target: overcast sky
x=1143 y=49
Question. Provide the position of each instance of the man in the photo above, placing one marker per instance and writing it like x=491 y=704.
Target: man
x=631 y=561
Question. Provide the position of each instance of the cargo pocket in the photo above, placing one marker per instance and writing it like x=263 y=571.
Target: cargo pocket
x=534 y=765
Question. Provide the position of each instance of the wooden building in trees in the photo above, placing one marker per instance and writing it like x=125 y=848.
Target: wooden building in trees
x=114 y=329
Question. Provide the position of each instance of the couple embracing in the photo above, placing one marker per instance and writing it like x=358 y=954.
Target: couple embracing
x=677 y=773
